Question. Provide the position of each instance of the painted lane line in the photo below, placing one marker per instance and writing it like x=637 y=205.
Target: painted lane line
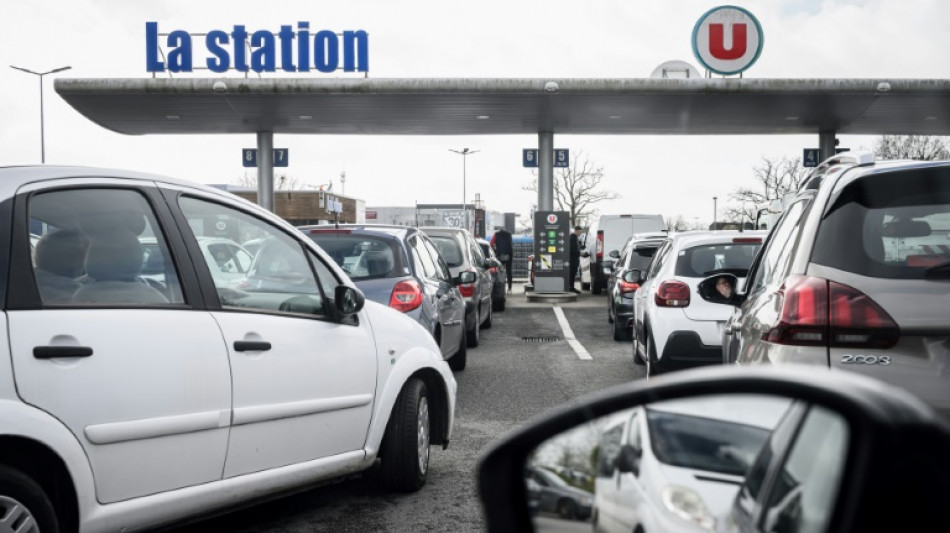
x=569 y=335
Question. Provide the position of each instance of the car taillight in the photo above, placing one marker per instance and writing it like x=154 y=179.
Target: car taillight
x=672 y=294
x=626 y=286
x=407 y=295
x=600 y=246
x=818 y=312
x=467 y=289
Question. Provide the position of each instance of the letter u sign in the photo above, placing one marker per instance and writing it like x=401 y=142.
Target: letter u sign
x=727 y=40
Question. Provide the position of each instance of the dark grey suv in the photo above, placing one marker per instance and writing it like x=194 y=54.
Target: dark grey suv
x=635 y=257
x=854 y=276
x=400 y=267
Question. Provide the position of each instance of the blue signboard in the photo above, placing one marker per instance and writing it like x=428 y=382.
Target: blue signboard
x=249 y=157
x=811 y=157
x=529 y=158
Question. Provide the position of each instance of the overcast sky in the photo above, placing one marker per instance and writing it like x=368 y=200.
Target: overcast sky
x=672 y=175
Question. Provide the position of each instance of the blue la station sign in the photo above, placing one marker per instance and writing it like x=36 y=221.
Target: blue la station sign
x=290 y=50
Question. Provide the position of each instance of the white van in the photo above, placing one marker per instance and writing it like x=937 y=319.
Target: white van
x=609 y=233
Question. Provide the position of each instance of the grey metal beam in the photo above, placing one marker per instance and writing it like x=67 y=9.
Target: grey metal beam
x=545 y=171
x=265 y=169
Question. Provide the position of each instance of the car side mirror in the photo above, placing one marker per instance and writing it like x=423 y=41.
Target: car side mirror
x=464 y=277
x=615 y=254
x=348 y=300
x=839 y=431
x=492 y=263
x=720 y=289
x=629 y=459
x=633 y=276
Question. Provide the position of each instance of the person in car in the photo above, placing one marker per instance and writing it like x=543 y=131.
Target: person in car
x=724 y=287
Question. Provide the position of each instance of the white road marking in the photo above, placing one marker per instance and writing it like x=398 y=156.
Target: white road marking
x=569 y=335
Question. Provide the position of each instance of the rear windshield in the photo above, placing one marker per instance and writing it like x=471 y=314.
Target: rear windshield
x=708 y=259
x=704 y=443
x=449 y=250
x=360 y=256
x=894 y=225
x=641 y=258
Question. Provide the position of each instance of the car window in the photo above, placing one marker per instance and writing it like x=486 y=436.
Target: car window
x=445 y=273
x=658 y=261
x=609 y=450
x=280 y=278
x=884 y=226
x=449 y=249
x=641 y=258
x=478 y=258
x=778 y=244
x=633 y=432
x=360 y=255
x=101 y=247
x=707 y=259
x=803 y=496
x=228 y=257
x=423 y=261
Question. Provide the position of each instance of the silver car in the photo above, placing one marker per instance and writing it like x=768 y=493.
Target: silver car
x=854 y=276
x=460 y=251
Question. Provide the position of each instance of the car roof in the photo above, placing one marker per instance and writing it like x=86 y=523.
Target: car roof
x=715 y=237
x=764 y=412
x=380 y=229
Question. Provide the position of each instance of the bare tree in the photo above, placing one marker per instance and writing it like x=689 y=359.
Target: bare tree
x=680 y=223
x=773 y=179
x=577 y=188
x=282 y=182
x=918 y=147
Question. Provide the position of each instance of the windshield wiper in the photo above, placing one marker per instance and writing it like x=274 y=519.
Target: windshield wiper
x=940 y=271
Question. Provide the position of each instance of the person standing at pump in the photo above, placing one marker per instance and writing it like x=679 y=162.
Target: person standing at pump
x=574 y=255
x=501 y=242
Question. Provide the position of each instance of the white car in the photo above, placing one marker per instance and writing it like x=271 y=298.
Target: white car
x=129 y=404
x=673 y=327
x=677 y=465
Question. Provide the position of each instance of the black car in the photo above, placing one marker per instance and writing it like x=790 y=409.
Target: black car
x=499 y=276
x=636 y=254
x=399 y=266
x=553 y=494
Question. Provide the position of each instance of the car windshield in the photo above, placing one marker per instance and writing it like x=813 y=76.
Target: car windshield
x=893 y=225
x=708 y=259
x=360 y=256
x=449 y=249
x=704 y=443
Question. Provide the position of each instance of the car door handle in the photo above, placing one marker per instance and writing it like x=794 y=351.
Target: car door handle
x=251 y=346
x=53 y=352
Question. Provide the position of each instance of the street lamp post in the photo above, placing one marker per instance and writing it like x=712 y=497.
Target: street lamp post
x=41 y=74
x=715 y=213
x=464 y=152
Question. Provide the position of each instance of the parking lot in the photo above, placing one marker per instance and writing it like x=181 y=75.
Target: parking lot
x=507 y=382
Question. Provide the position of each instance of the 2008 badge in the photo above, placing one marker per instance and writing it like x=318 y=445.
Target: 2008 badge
x=851 y=359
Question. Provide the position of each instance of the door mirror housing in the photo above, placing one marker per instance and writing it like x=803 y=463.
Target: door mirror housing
x=464 y=277
x=633 y=276
x=720 y=289
x=629 y=459
x=348 y=300
x=853 y=424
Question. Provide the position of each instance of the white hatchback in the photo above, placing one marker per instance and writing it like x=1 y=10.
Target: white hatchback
x=673 y=328
x=130 y=401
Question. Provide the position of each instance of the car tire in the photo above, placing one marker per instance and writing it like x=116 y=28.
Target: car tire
x=595 y=288
x=621 y=332
x=499 y=304
x=566 y=509
x=458 y=361
x=405 y=450
x=610 y=311
x=472 y=336
x=20 y=495
x=637 y=358
x=487 y=323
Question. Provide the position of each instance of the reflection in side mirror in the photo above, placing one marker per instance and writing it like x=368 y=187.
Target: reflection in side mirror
x=348 y=300
x=633 y=276
x=720 y=289
x=615 y=254
x=464 y=277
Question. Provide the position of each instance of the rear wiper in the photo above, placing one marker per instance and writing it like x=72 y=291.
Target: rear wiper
x=940 y=271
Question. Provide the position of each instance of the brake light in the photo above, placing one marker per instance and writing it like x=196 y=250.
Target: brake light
x=406 y=296
x=600 y=245
x=467 y=289
x=818 y=312
x=672 y=294
x=739 y=240
x=626 y=287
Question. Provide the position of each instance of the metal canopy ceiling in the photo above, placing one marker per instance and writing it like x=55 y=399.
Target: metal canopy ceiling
x=512 y=106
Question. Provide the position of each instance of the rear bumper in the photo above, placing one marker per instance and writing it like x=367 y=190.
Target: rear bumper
x=684 y=349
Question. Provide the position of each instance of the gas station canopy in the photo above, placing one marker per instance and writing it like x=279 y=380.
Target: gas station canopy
x=407 y=106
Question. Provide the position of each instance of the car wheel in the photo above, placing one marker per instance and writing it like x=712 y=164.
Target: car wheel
x=610 y=311
x=473 y=337
x=595 y=288
x=621 y=332
x=457 y=362
x=498 y=304
x=487 y=323
x=405 y=458
x=24 y=502
x=566 y=509
x=637 y=359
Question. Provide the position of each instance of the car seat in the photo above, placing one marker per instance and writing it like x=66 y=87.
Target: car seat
x=59 y=257
x=114 y=261
x=378 y=263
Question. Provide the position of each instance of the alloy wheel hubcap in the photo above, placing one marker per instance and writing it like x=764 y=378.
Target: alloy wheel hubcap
x=422 y=435
x=16 y=517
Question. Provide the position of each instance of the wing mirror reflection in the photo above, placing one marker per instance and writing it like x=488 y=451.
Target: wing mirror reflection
x=465 y=277
x=348 y=300
x=720 y=289
x=633 y=276
x=714 y=448
x=615 y=254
